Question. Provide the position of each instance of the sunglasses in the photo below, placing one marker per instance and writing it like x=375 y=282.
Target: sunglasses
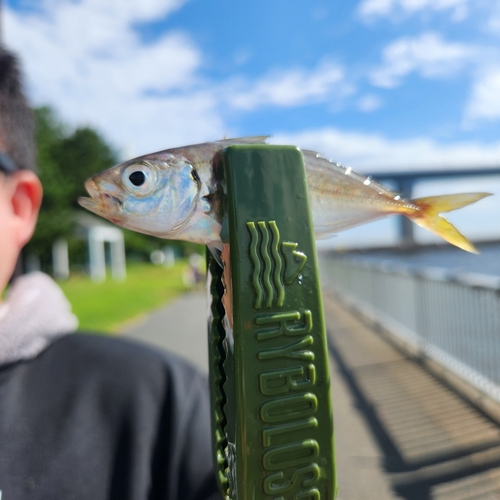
x=6 y=164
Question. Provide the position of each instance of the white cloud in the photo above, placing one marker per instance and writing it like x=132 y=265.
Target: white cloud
x=484 y=102
x=369 y=103
x=428 y=55
x=149 y=95
x=372 y=9
x=290 y=88
x=367 y=152
x=492 y=24
x=85 y=59
x=145 y=10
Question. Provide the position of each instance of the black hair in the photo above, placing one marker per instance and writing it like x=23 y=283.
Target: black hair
x=17 y=124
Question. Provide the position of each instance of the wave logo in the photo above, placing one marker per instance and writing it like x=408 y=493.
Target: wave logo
x=275 y=263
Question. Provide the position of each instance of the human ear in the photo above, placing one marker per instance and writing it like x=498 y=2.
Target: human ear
x=25 y=199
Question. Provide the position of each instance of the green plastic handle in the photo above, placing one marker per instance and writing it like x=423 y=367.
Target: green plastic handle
x=272 y=414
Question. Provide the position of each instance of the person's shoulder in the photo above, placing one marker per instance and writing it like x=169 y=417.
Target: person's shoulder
x=122 y=362
x=108 y=348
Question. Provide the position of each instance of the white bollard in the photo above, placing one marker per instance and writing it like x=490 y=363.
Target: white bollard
x=60 y=259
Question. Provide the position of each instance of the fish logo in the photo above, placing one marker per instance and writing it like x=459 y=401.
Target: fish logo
x=275 y=263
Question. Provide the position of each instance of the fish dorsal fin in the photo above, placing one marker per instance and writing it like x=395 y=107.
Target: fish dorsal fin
x=257 y=139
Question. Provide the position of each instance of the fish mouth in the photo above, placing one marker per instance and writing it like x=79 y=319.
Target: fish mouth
x=88 y=203
x=101 y=204
x=92 y=203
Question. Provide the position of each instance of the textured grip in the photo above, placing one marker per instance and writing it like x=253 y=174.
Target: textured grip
x=272 y=415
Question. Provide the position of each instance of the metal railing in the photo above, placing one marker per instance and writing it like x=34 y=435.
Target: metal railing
x=453 y=318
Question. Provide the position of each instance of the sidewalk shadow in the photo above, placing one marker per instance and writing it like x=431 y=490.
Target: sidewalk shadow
x=434 y=443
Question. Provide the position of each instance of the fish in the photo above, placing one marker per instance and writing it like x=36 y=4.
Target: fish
x=175 y=194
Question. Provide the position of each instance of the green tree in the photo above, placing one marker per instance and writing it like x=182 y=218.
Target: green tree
x=65 y=161
x=80 y=155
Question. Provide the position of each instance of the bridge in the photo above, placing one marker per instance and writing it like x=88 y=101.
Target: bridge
x=405 y=181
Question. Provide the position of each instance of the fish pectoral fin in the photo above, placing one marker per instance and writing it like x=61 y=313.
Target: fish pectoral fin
x=216 y=253
x=206 y=198
x=428 y=217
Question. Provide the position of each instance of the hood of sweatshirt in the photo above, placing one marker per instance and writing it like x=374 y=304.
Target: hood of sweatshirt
x=34 y=314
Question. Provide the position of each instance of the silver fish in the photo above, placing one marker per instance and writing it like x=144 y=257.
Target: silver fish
x=174 y=194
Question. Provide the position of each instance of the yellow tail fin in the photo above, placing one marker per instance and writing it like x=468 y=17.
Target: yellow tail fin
x=429 y=218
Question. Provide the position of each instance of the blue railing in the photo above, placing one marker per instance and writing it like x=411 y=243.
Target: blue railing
x=453 y=318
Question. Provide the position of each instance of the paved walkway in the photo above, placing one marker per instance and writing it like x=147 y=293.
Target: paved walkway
x=430 y=443
x=181 y=327
x=400 y=433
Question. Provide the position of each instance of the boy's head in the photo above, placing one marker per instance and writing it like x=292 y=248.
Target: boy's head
x=20 y=189
x=16 y=117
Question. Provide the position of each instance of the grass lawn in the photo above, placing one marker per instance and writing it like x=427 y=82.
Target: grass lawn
x=105 y=306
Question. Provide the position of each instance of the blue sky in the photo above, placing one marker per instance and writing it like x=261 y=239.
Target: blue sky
x=374 y=84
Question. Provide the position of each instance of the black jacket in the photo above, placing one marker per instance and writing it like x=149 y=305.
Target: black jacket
x=100 y=418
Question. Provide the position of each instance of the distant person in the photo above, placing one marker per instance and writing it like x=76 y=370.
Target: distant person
x=194 y=274
x=82 y=416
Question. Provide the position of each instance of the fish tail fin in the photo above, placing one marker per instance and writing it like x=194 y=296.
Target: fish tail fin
x=428 y=216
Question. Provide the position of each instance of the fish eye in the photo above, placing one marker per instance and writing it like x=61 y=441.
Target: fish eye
x=139 y=179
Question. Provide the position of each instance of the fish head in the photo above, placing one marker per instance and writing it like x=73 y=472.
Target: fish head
x=155 y=194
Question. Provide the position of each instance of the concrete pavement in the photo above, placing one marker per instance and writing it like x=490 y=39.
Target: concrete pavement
x=424 y=441
x=399 y=431
x=181 y=327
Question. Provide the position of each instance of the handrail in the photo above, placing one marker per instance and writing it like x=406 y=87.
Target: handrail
x=472 y=279
x=451 y=317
